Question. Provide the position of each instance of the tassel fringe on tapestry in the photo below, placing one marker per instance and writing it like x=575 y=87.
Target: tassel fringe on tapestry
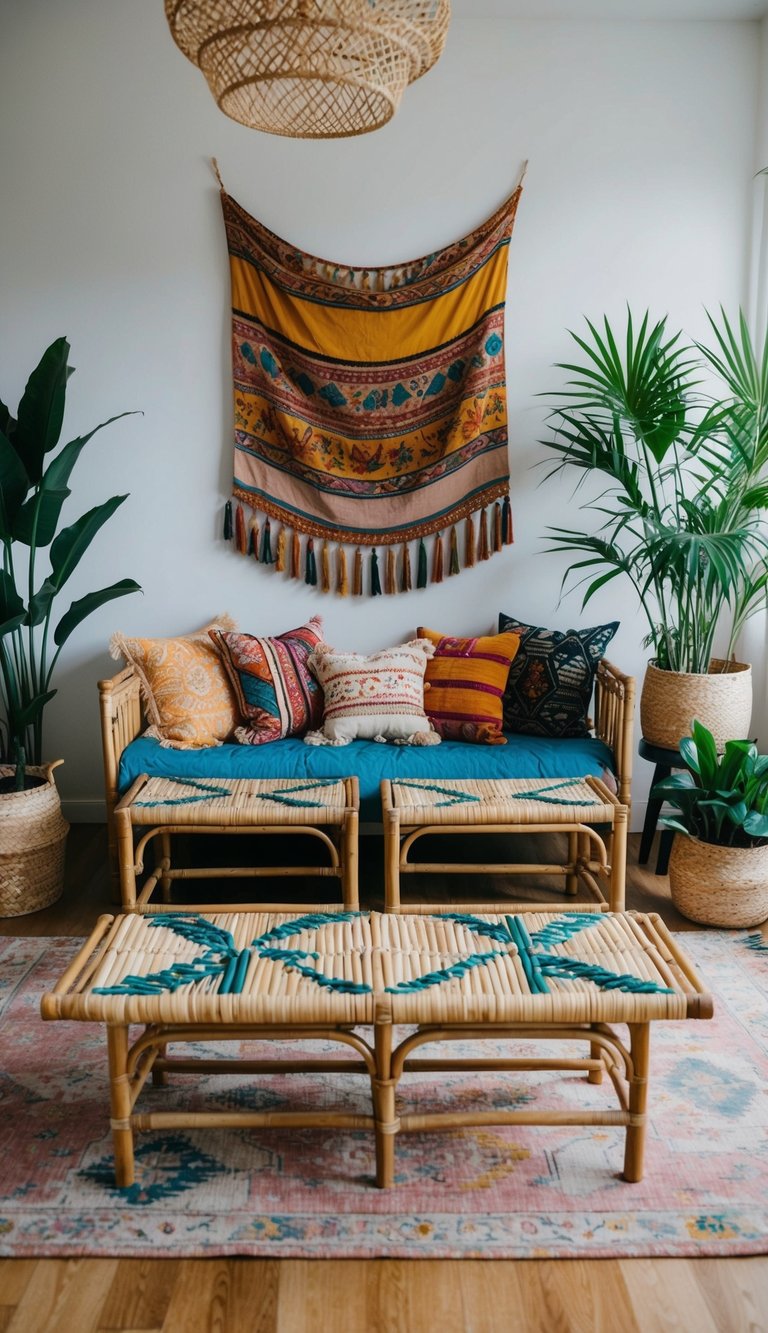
x=370 y=409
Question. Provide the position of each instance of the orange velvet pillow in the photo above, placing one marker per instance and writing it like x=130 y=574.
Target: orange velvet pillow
x=466 y=679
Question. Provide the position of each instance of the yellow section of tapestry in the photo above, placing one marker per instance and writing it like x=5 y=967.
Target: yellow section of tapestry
x=362 y=335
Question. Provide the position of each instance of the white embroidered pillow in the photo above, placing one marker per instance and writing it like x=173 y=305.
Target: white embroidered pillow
x=373 y=698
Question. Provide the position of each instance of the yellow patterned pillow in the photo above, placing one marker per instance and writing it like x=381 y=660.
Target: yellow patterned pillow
x=186 y=691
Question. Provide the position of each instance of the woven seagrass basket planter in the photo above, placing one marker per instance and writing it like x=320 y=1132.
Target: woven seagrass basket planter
x=721 y=699
x=719 y=886
x=33 y=835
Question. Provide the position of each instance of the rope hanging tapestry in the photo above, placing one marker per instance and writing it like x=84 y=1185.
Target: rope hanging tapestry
x=370 y=407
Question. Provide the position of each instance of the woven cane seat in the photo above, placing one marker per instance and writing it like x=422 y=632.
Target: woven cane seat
x=501 y=801
x=358 y=968
x=240 y=801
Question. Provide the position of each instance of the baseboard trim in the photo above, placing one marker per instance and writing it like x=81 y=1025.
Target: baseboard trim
x=637 y=816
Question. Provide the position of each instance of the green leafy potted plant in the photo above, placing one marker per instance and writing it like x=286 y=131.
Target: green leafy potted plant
x=718 y=870
x=681 y=493
x=33 y=489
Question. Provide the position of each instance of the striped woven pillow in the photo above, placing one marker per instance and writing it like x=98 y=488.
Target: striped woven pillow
x=276 y=693
x=466 y=680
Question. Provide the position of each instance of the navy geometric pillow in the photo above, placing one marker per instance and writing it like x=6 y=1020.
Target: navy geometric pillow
x=552 y=678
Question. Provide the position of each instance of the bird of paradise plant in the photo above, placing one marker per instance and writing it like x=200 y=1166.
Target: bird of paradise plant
x=32 y=493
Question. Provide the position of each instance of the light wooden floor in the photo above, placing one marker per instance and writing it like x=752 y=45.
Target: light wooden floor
x=383 y=1296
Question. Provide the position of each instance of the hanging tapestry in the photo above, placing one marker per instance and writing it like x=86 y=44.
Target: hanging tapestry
x=370 y=406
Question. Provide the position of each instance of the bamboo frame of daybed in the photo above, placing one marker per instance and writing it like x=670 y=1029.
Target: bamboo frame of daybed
x=122 y=720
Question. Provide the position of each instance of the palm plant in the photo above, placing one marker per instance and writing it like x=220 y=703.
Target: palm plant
x=682 y=477
x=31 y=498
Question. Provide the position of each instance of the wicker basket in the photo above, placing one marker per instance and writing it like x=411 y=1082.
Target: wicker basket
x=33 y=836
x=719 y=886
x=672 y=700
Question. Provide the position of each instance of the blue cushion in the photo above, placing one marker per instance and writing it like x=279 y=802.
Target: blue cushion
x=521 y=757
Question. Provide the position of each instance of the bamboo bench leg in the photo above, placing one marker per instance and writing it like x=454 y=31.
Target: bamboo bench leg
x=617 y=888
x=120 y=1104
x=392 y=862
x=585 y=850
x=126 y=859
x=165 y=851
x=383 y=1089
x=572 y=878
x=595 y=1053
x=349 y=861
x=160 y=1076
x=638 y=1096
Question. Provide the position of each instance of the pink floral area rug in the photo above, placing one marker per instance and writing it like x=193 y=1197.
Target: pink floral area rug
x=511 y=1192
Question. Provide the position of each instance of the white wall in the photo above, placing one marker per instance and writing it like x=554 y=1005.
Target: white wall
x=754 y=641
x=641 y=140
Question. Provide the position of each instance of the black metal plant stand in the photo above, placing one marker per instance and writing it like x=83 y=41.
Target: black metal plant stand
x=664 y=761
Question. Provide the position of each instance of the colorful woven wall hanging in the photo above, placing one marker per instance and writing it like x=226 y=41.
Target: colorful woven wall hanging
x=370 y=408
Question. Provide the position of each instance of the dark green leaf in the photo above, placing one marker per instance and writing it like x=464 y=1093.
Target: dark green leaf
x=33 y=708
x=84 y=606
x=669 y=821
x=599 y=583
x=707 y=753
x=39 y=517
x=12 y=609
x=690 y=754
x=7 y=422
x=756 y=825
x=737 y=762
x=41 y=410
x=733 y=810
x=666 y=430
x=40 y=603
x=14 y=484
x=59 y=471
x=674 y=784
x=37 y=520
x=72 y=542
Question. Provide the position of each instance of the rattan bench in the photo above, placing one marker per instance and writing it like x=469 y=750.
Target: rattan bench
x=565 y=977
x=322 y=809
x=419 y=808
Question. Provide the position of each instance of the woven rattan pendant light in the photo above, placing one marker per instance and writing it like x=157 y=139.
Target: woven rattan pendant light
x=310 y=69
